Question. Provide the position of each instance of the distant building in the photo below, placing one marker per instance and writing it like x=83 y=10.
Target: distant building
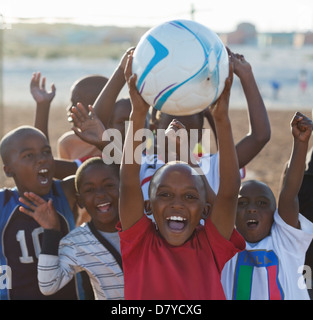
x=276 y=39
x=308 y=38
x=292 y=39
x=244 y=34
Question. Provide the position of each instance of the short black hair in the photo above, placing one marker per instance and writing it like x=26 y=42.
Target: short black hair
x=91 y=162
x=160 y=169
x=8 y=139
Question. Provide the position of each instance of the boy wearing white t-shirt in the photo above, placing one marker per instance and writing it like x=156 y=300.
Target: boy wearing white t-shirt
x=270 y=268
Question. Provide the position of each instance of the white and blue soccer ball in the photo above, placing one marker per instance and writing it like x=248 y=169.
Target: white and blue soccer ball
x=181 y=67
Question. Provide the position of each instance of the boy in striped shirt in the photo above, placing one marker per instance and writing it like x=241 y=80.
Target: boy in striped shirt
x=93 y=247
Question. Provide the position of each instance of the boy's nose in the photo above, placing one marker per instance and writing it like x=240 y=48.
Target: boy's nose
x=99 y=192
x=176 y=203
x=252 y=209
x=40 y=157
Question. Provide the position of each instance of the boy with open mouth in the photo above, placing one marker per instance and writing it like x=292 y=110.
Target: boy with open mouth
x=27 y=158
x=276 y=238
x=176 y=257
x=93 y=247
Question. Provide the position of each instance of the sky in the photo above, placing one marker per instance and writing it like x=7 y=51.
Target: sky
x=219 y=15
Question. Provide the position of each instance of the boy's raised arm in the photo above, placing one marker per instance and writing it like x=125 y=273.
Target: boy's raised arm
x=104 y=104
x=223 y=213
x=131 y=203
x=259 y=125
x=43 y=100
x=288 y=204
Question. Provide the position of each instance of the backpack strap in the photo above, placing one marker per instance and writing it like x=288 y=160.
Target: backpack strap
x=106 y=244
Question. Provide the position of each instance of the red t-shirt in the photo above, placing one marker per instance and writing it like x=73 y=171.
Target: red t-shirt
x=156 y=270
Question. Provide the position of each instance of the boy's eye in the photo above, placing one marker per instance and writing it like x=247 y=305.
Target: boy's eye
x=110 y=185
x=261 y=203
x=242 y=203
x=88 y=190
x=46 y=152
x=164 y=194
x=28 y=155
x=191 y=197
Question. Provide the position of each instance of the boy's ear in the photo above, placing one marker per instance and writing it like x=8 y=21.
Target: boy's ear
x=79 y=200
x=147 y=206
x=7 y=171
x=206 y=211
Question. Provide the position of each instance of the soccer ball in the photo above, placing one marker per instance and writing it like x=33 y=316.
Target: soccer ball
x=181 y=67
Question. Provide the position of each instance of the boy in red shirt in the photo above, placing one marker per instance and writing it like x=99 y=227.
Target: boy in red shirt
x=176 y=258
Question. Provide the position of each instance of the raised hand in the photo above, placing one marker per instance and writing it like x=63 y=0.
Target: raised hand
x=176 y=140
x=38 y=91
x=220 y=107
x=40 y=210
x=87 y=126
x=124 y=58
x=138 y=103
x=241 y=66
x=301 y=127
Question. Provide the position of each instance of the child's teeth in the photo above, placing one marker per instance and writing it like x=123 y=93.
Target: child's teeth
x=176 y=218
x=104 y=206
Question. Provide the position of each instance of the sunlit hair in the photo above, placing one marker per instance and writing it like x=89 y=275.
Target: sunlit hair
x=8 y=140
x=94 y=161
x=172 y=163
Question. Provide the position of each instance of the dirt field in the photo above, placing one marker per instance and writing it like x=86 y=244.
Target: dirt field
x=267 y=166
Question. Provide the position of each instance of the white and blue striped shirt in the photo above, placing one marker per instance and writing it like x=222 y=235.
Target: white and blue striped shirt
x=80 y=250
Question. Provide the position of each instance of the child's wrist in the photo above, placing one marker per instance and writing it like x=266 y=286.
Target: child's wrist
x=120 y=70
x=247 y=75
x=300 y=143
x=138 y=114
x=222 y=118
x=45 y=104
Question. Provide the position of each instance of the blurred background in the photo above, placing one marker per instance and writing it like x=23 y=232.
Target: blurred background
x=67 y=40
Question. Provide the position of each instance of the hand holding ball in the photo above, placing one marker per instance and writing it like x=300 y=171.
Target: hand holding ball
x=181 y=67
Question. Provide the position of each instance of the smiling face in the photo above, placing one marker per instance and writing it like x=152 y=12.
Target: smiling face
x=255 y=211
x=29 y=161
x=99 y=193
x=178 y=202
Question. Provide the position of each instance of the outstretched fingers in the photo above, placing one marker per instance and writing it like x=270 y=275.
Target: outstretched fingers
x=32 y=201
x=92 y=113
x=40 y=210
x=79 y=114
x=43 y=83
